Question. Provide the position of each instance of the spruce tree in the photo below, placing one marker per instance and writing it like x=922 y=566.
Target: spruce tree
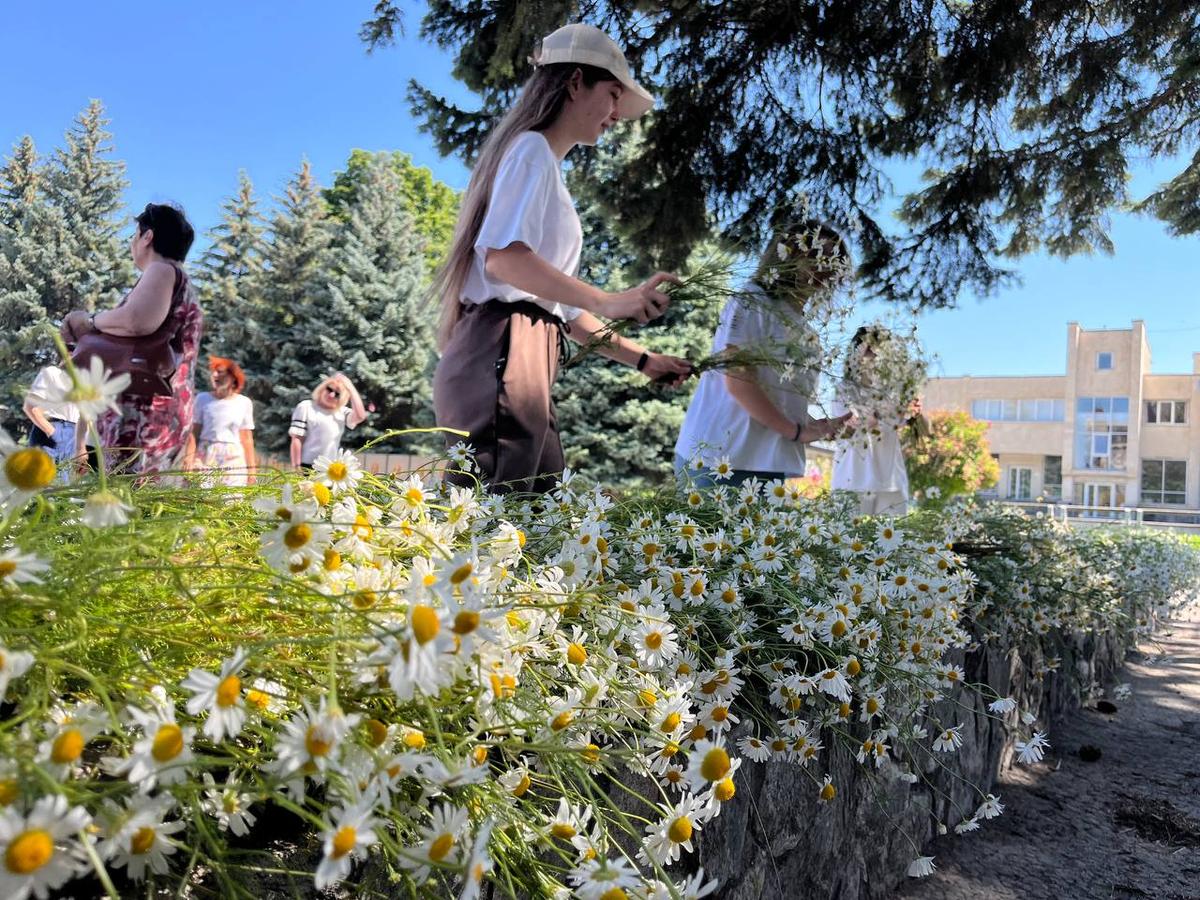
x=369 y=317
x=297 y=250
x=228 y=277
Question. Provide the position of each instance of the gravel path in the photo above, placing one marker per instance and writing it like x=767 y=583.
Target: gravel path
x=1125 y=826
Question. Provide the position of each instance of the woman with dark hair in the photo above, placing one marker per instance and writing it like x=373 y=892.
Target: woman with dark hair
x=148 y=431
x=223 y=426
x=752 y=421
x=508 y=288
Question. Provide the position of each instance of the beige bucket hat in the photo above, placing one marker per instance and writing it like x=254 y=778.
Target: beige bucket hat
x=589 y=46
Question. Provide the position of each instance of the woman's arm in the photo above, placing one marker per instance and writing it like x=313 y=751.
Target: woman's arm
x=358 y=412
x=586 y=328
x=189 y=448
x=247 y=436
x=141 y=313
x=519 y=266
x=38 y=418
x=743 y=386
x=297 y=450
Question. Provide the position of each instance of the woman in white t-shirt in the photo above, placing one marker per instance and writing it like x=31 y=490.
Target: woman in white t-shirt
x=871 y=463
x=54 y=422
x=508 y=287
x=223 y=426
x=755 y=420
x=318 y=424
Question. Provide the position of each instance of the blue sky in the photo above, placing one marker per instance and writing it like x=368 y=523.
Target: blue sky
x=197 y=91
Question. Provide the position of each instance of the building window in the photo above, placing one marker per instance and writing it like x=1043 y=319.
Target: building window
x=1104 y=361
x=1101 y=432
x=1020 y=483
x=1052 y=477
x=1166 y=412
x=1164 y=481
x=1040 y=410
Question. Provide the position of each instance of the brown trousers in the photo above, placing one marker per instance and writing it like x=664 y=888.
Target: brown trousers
x=493 y=381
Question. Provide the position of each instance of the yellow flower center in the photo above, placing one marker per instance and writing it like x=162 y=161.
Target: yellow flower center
x=828 y=792
x=720 y=713
x=425 y=624
x=522 y=787
x=321 y=494
x=258 y=699
x=29 y=851
x=576 y=655
x=462 y=573
x=466 y=621
x=377 y=732
x=142 y=841
x=853 y=667
x=229 y=690
x=297 y=536
x=563 y=830
x=364 y=599
x=332 y=560
x=7 y=567
x=590 y=753
x=562 y=720
x=838 y=629
x=337 y=471
x=647 y=697
x=680 y=830
x=67 y=746
x=414 y=739
x=698 y=732
x=168 y=742
x=30 y=469
x=415 y=496
x=362 y=527
x=614 y=893
x=671 y=722
x=654 y=640
x=283 y=514
x=725 y=790
x=343 y=841
x=317 y=742
x=872 y=705
x=441 y=847
x=715 y=764
x=9 y=791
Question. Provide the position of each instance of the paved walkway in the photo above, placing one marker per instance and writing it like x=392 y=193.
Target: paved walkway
x=1125 y=826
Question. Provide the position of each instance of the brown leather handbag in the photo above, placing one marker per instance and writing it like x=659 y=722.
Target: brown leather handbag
x=149 y=360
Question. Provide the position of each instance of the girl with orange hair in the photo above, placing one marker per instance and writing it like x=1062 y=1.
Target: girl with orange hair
x=223 y=425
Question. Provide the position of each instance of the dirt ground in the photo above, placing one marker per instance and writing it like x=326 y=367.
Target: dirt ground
x=1120 y=827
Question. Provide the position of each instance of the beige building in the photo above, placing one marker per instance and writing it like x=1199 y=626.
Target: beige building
x=1107 y=433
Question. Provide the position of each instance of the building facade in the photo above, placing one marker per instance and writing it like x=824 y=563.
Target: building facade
x=1108 y=433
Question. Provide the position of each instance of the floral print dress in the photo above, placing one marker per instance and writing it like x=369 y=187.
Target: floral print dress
x=147 y=434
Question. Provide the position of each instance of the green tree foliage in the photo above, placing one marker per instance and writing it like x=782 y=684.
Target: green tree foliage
x=1024 y=117
x=228 y=275
x=432 y=204
x=60 y=247
x=952 y=456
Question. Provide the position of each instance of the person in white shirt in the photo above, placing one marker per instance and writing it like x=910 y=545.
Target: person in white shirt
x=223 y=426
x=53 y=422
x=755 y=419
x=508 y=287
x=871 y=462
x=318 y=424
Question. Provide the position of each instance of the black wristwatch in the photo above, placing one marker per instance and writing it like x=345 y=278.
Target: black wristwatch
x=799 y=428
x=642 y=360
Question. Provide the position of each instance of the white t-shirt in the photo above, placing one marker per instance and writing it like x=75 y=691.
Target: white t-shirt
x=321 y=429
x=52 y=381
x=869 y=462
x=717 y=425
x=529 y=204
x=222 y=421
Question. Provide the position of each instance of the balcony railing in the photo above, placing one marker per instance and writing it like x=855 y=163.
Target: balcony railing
x=1185 y=520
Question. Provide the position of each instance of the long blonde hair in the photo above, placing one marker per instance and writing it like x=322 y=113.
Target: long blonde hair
x=540 y=103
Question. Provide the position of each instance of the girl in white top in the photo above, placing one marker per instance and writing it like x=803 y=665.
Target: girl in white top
x=756 y=418
x=872 y=463
x=508 y=287
x=318 y=424
x=223 y=426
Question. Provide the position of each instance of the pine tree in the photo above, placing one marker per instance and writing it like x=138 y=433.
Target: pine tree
x=228 y=277
x=369 y=318
x=87 y=188
x=297 y=247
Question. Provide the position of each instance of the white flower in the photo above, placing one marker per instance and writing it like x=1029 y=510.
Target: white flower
x=696 y=887
x=479 y=863
x=349 y=836
x=754 y=749
x=594 y=879
x=220 y=695
x=654 y=642
x=296 y=541
x=340 y=472
x=228 y=805
x=24 y=471
x=40 y=850
x=140 y=837
x=20 y=568
x=1031 y=751
x=990 y=808
x=722 y=469
x=967 y=825
x=673 y=833
x=463 y=456
x=13 y=664
x=439 y=844
x=104 y=509
x=921 y=867
x=834 y=683
x=93 y=390
x=933 y=492
x=311 y=740
x=949 y=740
x=163 y=753
x=709 y=763
x=1002 y=706
x=75 y=727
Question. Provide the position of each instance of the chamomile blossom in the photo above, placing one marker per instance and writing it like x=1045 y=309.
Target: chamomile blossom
x=162 y=755
x=104 y=509
x=672 y=834
x=349 y=835
x=139 y=837
x=228 y=804
x=20 y=568
x=948 y=740
x=94 y=390
x=654 y=642
x=599 y=878
x=440 y=842
x=13 y=664
x=40 y=849
x=61 y=753
x=340 y=471
x=220 y=696
x=479 y=863
x=1033 y=750
x=921 y=867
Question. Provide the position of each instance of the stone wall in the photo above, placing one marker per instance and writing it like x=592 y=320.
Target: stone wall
x=776 y=841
